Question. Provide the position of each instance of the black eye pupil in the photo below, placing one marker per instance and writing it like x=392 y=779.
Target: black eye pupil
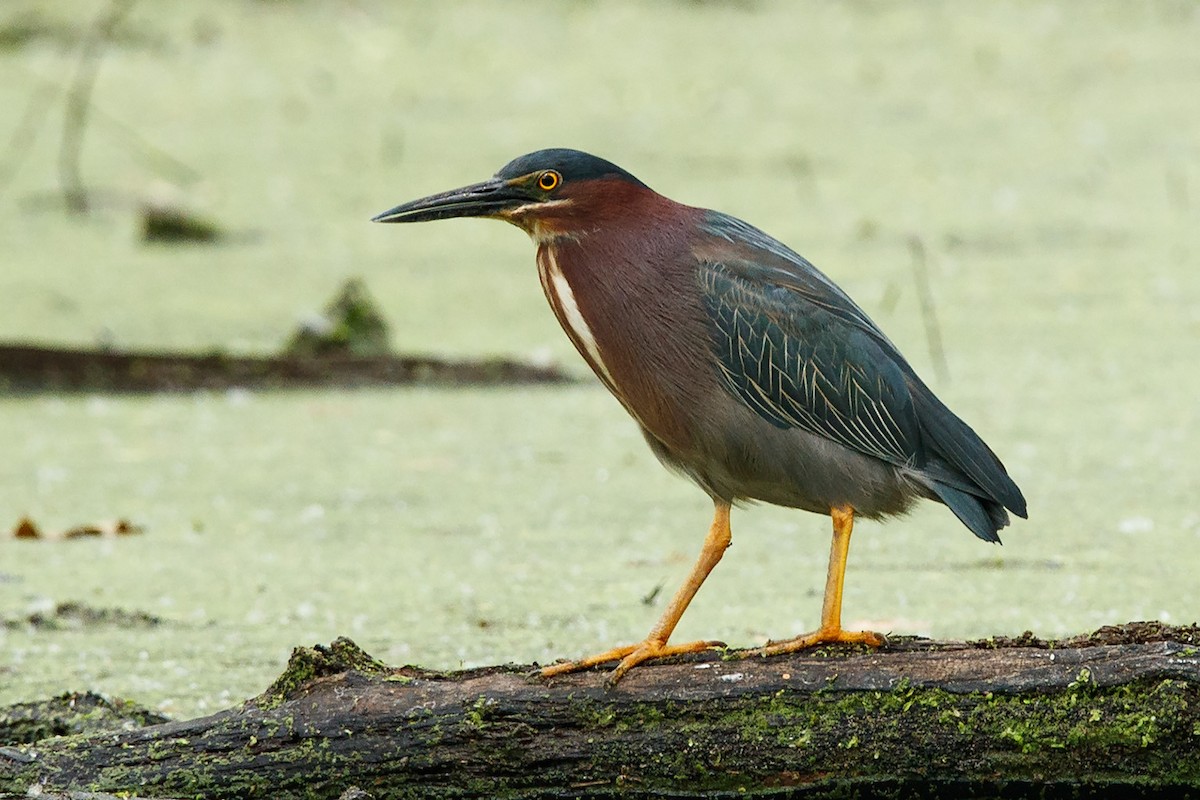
x=549 y=180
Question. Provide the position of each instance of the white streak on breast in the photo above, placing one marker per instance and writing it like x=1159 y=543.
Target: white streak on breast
x=556 y=283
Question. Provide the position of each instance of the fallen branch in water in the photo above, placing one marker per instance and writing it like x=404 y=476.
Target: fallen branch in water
x=31 y=368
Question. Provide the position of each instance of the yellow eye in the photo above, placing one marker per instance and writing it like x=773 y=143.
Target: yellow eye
x=548 y=181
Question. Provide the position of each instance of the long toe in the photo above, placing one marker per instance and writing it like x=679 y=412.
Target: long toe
x=651 y=649
x=563 y=667
x=629 y=657
x=818 y=637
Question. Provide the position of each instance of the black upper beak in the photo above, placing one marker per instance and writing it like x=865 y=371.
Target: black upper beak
x=477 y=200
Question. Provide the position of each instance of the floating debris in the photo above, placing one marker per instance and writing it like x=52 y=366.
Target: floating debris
x=72 y=616
x=170 y=223
x=26 y=528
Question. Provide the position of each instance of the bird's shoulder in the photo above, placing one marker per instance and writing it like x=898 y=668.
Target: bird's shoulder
x=797 y=350
x=756 y=269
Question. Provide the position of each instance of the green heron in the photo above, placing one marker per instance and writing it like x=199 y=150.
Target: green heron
x=747 y=369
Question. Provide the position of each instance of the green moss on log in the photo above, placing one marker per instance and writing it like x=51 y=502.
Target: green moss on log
x=1109 y=717
x=309 y=663
x=69 y=714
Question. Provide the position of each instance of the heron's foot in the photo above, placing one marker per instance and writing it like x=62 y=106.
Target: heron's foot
x=821 y=636
x=628 y=657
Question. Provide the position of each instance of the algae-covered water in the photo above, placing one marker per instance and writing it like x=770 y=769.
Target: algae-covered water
x=1045 y=154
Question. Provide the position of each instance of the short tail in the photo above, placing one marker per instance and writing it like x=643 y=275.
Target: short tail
x=985 y=518
x=963 y=472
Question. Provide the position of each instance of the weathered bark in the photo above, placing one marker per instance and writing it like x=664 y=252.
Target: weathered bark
x=31 y=369
x=1012 y=718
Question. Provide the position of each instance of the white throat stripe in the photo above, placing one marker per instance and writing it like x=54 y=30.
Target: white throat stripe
x=570 y=311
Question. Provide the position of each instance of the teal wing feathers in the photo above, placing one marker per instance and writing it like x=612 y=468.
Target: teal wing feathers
x=799 y=352
x=800 y=365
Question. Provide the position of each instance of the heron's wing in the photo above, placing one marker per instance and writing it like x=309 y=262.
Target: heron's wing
x=801 y=360
x=796 y=349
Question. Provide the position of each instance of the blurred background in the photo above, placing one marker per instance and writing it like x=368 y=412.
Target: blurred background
x=1036 y=165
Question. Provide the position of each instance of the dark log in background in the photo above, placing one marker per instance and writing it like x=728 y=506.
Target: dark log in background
x=1115 y=710
x=30 y=368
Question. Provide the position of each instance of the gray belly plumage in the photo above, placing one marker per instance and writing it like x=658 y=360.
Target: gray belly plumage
x=741 y=457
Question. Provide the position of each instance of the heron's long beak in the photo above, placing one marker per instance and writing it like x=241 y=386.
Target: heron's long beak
x=485 y=199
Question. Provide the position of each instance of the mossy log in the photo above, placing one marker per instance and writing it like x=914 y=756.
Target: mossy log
x=1117 y=709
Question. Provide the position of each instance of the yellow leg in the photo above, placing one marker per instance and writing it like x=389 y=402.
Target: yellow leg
x=831 y=611
x=655 y=644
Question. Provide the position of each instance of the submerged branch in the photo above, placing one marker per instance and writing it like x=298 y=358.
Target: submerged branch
x=29 y=368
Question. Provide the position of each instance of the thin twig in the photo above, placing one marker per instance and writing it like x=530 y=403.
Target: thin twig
x=25 y=134
x=79 y=98
x=933 y=331
x=156 y=159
